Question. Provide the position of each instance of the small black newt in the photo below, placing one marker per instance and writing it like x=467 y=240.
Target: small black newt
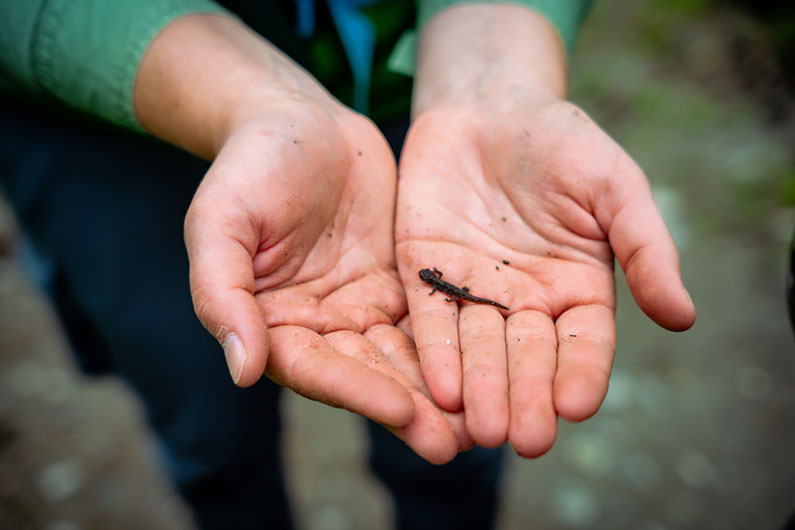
x=434 y=278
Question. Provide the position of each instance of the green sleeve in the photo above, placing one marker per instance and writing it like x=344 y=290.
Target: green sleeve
x=84 y=52
x=565 y=15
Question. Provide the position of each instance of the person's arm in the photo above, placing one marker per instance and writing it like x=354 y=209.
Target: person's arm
x=109 y=59
x=511 y=190
x=289 y=235
x=565 y=16
x=486 y=51
x=84 y=53
x=202 y=79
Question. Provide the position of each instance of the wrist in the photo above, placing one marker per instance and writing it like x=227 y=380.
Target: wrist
x=204 y=75
x=474 y=54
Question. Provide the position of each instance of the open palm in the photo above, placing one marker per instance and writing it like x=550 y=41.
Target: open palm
x=292 y=268
x=525 y=205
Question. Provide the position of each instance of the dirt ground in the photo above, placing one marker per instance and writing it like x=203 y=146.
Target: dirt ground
x=698 y=428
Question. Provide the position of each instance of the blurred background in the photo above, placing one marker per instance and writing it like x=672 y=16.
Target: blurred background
x=698 y=429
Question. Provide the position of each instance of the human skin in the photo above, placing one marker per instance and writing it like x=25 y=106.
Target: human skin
x=498 y=167
x=290 y=233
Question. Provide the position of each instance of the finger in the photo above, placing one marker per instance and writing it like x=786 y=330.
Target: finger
x=401 y=353
x=310 y=366
x=404 y=325
x=586 y=347
x=433 y=434
x=532 y=343
x=434 y=323
x=400 y=356
x=646 y=252
x=485 y=372
x=221 y=284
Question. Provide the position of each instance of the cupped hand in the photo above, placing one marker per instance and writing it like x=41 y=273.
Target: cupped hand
x=292 y=268
x=526 y=203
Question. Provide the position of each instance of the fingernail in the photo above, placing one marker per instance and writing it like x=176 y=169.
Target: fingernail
x=235 y=354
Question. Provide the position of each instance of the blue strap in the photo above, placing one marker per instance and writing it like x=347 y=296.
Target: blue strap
x=357 y=34
x=305 y=13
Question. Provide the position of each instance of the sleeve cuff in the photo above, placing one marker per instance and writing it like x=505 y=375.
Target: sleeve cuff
x=87 y=53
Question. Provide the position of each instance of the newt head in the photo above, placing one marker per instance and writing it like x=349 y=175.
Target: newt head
x=427 y=275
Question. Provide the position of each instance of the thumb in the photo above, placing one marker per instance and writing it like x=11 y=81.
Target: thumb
x=222 y=287
x=647 y=254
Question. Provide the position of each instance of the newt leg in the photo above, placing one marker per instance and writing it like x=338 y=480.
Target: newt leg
x=437 y=272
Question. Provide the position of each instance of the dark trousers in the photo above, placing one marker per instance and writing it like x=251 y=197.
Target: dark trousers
x=103 y=210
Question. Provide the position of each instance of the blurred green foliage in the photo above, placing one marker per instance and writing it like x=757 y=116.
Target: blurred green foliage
x=673 y=88
x=787 y=191
x=778 y=18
